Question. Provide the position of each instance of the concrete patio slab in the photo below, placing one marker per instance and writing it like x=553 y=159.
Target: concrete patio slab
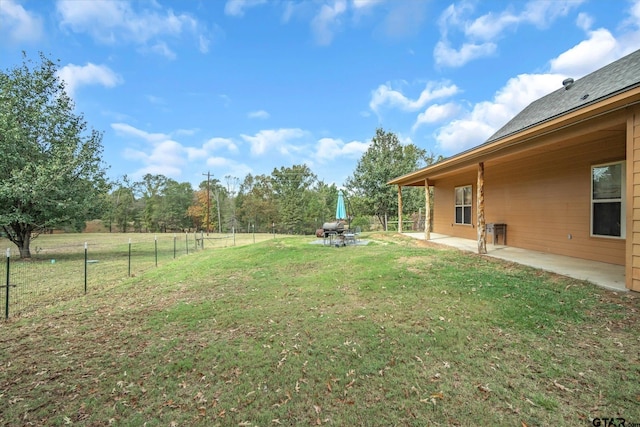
x=609 y=276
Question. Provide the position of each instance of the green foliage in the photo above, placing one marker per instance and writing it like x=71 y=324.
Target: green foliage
x=386 y=159
x=165 y=203
x=256 y=203
x=292 y=191
x=51 y=173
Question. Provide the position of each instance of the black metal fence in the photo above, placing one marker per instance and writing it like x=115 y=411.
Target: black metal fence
x=63 y=272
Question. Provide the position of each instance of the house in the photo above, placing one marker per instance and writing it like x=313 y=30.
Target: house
x=563 y=176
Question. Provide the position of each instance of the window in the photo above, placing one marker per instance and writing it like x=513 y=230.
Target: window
x=607 y=200
x=464 y=199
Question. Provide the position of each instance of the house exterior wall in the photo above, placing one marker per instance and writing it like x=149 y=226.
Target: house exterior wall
x=632 y=270
x=544 y=198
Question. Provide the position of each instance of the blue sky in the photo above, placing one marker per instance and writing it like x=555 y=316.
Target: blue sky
x=233 y=87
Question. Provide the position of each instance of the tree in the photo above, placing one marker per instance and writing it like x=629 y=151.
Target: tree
x=121 y=206
x=291 y=187
x=385 y=159
x=51 y=172
x=232 y=185
x=172 y=213
x=151 y=190
x=202 y=208
x=256 y=204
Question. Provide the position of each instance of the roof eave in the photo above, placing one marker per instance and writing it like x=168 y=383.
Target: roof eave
x=490 y=148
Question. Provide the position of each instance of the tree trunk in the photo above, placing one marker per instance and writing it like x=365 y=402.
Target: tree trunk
x=20 y=235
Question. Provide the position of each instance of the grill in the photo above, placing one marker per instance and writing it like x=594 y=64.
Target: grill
x=329 y=228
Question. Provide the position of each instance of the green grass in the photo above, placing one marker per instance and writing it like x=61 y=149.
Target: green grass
x=56 y=270
x=288 y=333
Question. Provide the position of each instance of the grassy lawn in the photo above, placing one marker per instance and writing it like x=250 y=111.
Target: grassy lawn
x=56 y=270
x=398 y=332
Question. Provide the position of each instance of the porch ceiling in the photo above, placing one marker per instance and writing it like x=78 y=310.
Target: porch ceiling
x=612 y=125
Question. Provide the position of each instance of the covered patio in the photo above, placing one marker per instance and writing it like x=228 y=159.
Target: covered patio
x=609 y=276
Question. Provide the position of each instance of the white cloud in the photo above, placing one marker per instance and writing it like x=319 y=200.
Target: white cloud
x=482 y=33
x=75 y=76
x=385 y=95
x=599 y=49
x=238 y=7
x=584 y=21
x=215 y=144
x=445 y=55
x=260 y=114
x=462 y=134
x=161 y=48
x=162 y=155
x=112 y=22
x=128 y=130
x=274 y=140
x=365 y=4
x=210 y=146
x=328 y=149
x=17 y=24
x=194 y=153
x=538 y=13
x=166 y=158
x=436 y=113
x=229 y=166
x=327 y=21
x=203 y=43
x=477 y=125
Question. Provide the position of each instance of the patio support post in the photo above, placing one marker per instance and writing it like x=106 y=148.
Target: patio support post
x=427 y=211
x=399 y=209
x=482 y=230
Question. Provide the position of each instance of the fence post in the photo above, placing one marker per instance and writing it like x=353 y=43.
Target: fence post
x=6 y=304
x=233 y=230
x=85 y=268
x=155 y=240
x=201 y=239
x=129 y=257
x=186 y=242
x=174 y=245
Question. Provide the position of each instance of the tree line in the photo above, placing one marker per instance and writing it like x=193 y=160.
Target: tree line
x=52 y=177
x=290 y=200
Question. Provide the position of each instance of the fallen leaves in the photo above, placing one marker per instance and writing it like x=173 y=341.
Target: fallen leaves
x=561 y=387
x=484 y=388
x=432 y=398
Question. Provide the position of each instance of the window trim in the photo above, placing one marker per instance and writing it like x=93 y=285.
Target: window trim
x=622 y=200
x=463 y=205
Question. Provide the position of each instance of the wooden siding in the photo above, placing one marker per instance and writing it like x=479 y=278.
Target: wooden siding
x=632 y=270
x=543 y=197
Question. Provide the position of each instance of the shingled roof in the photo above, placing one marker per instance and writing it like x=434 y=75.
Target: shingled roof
x=608 y=81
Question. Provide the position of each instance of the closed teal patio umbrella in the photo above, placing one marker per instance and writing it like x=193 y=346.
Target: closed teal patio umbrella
x=341 y=211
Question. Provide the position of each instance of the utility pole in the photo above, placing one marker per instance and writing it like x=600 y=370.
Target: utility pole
x=208 y=201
